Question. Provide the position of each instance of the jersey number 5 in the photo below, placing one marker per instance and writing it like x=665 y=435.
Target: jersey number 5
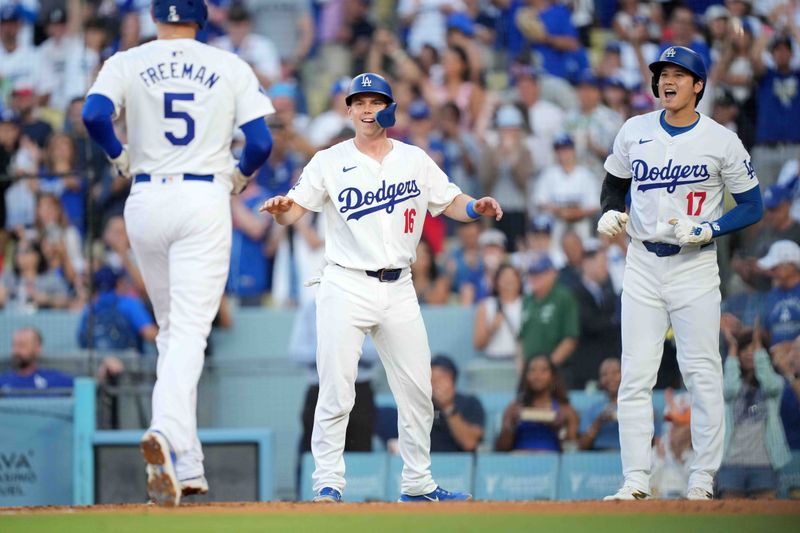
x=701 y=197
x=409 y=215
x=170 y=112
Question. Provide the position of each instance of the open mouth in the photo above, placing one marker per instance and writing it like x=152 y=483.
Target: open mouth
x=669 y=94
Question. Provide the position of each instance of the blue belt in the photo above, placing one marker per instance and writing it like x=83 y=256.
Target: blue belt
x=385 y=274
x=142 y=178
x=664 y=249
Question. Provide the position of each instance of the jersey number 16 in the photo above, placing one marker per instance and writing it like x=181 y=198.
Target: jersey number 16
x=170 y=112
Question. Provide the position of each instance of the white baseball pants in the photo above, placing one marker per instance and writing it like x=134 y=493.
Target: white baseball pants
x=682 y=290
x=180 y=232
x=349 y=305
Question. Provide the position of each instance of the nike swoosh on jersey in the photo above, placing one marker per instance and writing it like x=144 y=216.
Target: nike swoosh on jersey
x=645 y=141
x=348 y=169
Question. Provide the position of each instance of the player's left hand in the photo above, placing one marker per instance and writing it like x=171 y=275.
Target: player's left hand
x=688 y=232
x=122 y=163
x=488 y=207
x=240 y=181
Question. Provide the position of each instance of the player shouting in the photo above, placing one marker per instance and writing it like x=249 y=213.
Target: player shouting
x=374 y=192
x=182 y=100
x=676 y=164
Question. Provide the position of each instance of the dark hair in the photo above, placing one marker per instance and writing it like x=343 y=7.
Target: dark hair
x=558 y=389
x=445 y=363
x=503 y=267
x=34 y=247
x=466 y=75
x=745 y=337
x=433 y=270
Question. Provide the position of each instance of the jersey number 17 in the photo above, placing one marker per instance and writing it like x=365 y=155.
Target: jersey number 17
x=171 y=112
x=690 y=198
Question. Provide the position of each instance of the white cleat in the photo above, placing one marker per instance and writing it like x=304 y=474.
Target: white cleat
x=628 y=493
x=194 y=485
x=698 y=493
x=162 y=483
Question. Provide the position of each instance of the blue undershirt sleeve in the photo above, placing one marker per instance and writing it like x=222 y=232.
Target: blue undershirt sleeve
x=97 y=113
x=748 y=210
x=257 y=146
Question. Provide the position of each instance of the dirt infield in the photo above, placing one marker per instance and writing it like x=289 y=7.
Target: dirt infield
x=668 y=507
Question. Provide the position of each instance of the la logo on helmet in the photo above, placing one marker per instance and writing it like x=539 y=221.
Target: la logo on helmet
x=366 y=82
x=670 y=53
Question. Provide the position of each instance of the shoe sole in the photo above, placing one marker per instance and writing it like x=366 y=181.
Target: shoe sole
x=325 y=499
x=161 y=481
x=193 y=491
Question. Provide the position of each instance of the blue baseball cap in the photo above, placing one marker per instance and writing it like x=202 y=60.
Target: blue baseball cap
x=342 y=85
x=460 y=21
x=541 y=263
x=419 y=110
x=288 y=90
x=563 y=140
x=105 y=279
x=11 y=13
x=614 y=46
x=541 y=224
x=615 y=81
x=775 y=195
x=587 y=77
x=8 y=115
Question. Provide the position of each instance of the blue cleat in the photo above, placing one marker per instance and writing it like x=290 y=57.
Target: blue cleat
x=438 y=495
x=328 y=495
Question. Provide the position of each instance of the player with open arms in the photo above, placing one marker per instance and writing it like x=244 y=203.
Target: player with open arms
x=676 y=164
x=374 y=192
x=183 y=100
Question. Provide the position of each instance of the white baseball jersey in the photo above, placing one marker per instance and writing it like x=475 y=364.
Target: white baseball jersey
x=374 y=212
x=679 y=177
x=199 y=94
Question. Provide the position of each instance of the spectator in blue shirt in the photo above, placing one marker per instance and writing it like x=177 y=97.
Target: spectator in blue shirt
x=250 y=267
x=25 y=373
x=781 y=316
x=553 y=38
x=599 y=427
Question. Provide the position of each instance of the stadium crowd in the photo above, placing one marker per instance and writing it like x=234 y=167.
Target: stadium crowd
x=517 y=99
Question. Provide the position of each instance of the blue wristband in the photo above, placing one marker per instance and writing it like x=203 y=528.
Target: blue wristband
x=471 y=210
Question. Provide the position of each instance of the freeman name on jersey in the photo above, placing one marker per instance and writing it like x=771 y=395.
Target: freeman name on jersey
x=178 y=70
x=352 y=198
x=670 y=175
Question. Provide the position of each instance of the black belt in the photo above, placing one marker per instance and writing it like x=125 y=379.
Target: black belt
x=665 y=249
x=385 y=274
x=142 y=178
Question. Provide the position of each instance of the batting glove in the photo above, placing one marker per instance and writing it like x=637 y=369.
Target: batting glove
x=122 y=163
x=688 y=232
x=240 y=181
x=612 y=222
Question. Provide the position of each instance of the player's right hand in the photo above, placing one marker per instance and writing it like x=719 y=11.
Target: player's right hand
x=612 y=222
x=122 y=163
x=276 y=205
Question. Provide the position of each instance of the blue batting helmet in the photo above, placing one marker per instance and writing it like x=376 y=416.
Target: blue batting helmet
x=683 y=57
x=373 y=83
x=180 y=11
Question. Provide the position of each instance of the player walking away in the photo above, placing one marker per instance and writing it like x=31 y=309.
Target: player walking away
x=676 y=163
x=182 y=101
x=374 y=193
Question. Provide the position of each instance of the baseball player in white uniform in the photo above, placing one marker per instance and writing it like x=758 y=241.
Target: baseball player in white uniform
x=373 y=192
x=676 y=164
x=183 y=100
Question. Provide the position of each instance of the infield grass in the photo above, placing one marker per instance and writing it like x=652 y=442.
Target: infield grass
x=380 y=523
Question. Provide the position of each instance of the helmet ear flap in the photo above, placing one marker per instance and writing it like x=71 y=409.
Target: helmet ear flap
x=385 y=117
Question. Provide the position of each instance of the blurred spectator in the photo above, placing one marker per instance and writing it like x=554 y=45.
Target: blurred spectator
x=461 y=151
x=505 y=171
x=498 y=317
x=356 y=33
x=592 y=126
x=29 y=285
x=553 y=39
x=616 y=96
x=63 y=45
x=426 y=21
x=423 y=133
x=327 y=126
x=726 y=112
x=117 y=322
x=19 y=62
x=9 y=143
x=549 y=316
x=777 y=134
x=568 y=192
x=781 y=318
x=289 y=25
x=734 y=70
x=786 y=357
x=464 y=264
x=431 y=287
x=537 y=242
x=673 y=453
x=120 y=257
x=790 y=179
x=249 y=270
x=256 y=50
x=540 y=418
x=25 y=373
x=294 y=125
x=681 y=31
x=545 y=119
x=570 y=256
x=755 y=444
x=24 y=102
x=457 y=418
x=59 y=178
x=303 y=350
x=631 y=13
x=599 y=319
x=477 y=283
x=718 y=31
x=599 y=427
